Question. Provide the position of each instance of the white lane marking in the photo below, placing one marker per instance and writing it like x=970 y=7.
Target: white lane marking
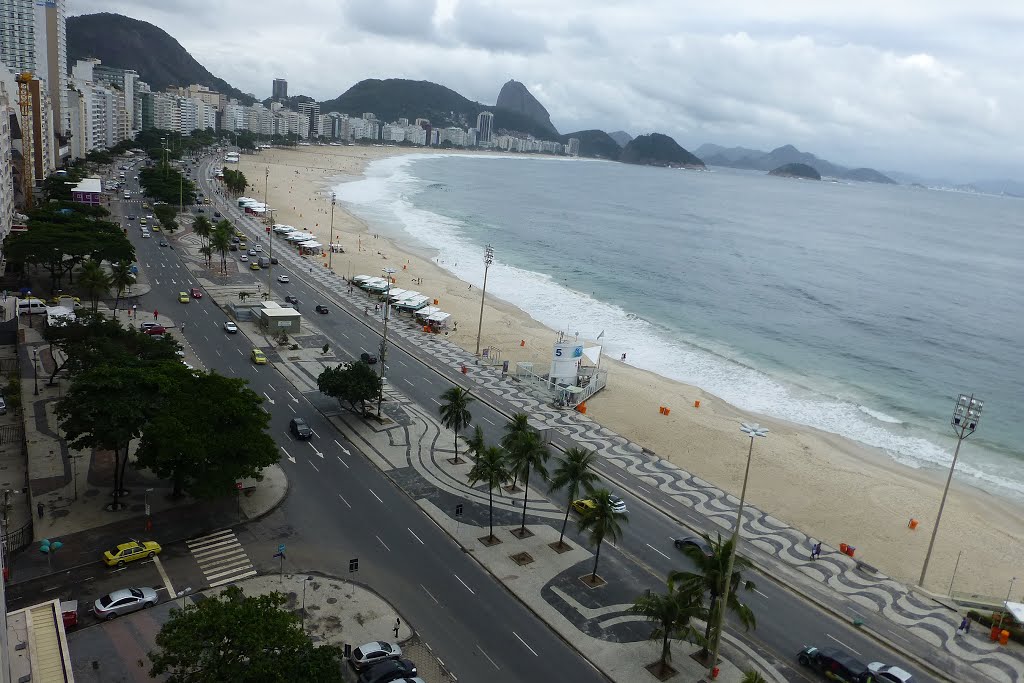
x=657 y=551
x=314 y=466
x=290 y=396
x=290 y=457
x=408 y=382
x=271 y=387
x=343 y=462
x=435 y=400
x=467 y=587
x=344 y=501
x=345 y=335
x=374 y=494
x=415 y=536
x=488 y=657
x=314 y=432
x=524 y=644
x=488 y=421
x=314 y=449
x=344 y=450
x=429 y=593
x=844 y=645
x=292 y=409
x=761 y=594
x=240 y=352
x=163 y=575
x=216 y=352
x=383 y=544
x=269 y=400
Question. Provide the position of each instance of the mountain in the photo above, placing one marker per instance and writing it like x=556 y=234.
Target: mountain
x=128 y=43
x=396 y=98
x=796 y=170
x=514 y=96
x=595 y=143
x=621 y=137
x=757 y=160
x=657 y=150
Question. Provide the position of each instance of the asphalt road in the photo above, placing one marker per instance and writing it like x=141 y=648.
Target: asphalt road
x=456 y=605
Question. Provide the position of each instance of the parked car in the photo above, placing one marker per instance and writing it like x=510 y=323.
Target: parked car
x=693 y=542
x=835 y=664
x=369 y=654
x=368 y=358
x=322 y=309
x=230 y=327
x=388 y=671
x=258 y=357
x=156 y=330
x=124 y=601
x=299 y=428
x=283 y=278
x=890 y=673
x=129 y=552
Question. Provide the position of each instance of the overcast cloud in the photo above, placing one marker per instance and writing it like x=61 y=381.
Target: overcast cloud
x=928 y=86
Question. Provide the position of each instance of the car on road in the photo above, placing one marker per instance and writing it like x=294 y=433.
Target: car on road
x=258 y=248
x=129 y=552
x=145 y=234
x=230 y=327
x=273 y=260
x=156 y=227
x=283 y=278
x=388 y=670
x=183 y=297
x=163 y=243
x=254 y=266
x=618 y=505
x=233 y=247
x=369 y=654
x=200 y=209
x=243 y=245
x=196 y=293
x=291 y=300
x=216 y=214
x=236 y=239
x=890 y=673
x=583 y=504
x=835 y=664
x=320 y=308
x=124 y=601
x=244 y=258
x=694 y=542
x=156 y=330
x=252 y=252
x=299 y=428
x=368 y=358
x=258 y=357
x=131 y=216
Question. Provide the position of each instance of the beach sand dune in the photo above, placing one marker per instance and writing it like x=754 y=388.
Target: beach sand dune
x=831 y=488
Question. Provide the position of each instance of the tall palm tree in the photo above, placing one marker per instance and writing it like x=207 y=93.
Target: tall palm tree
x=121 y=278
x=455 y=413
x=753 y=677
x=203 y=228
x=475 y=444
x=574 y=472
x=601 y=521
x=220 y=241
x=528 y=453
x=671 y=612
x=710 y=578
x=514 y=430
x=490 y=468
x=95 y=281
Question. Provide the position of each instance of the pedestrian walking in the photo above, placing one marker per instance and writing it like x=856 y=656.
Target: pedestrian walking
x=39 y=509
x=156 y=314
x=965 y=626
x=135 y=311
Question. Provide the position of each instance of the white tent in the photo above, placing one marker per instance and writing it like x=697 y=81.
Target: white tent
x=439 y=317
x=311 y=244
x=425 y=313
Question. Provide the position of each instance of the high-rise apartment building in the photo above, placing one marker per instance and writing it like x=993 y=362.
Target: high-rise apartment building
x=280 y=89
x=8 y=121
x=33 y=38
x=485 y=126
x=311 y=112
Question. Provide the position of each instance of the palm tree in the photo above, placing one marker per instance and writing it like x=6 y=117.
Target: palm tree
x=95 y=281
x=490 y=468
x=601 y=521
x=220 y=241
x=753 y=677
x=475 y=444
x=514 y=430
x=710 y=578
x=202 y=227
x=672 y=612
x=121 y=278
x=455 y=413
x=573 y=472
x=528 y=453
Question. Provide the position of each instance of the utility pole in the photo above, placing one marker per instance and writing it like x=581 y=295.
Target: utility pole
x=488 y=259
x=330 y=245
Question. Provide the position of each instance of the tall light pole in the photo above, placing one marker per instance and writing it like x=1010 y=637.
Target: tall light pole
x=304 y=582
x=753 y=431
x=330 y=245
x=966 y=415
x=488 y=260
x=384 y=342
x=35 y=367
x=270 y=241
x=266 y=186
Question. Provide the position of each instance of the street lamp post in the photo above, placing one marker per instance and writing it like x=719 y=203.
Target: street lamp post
x=270 y=256
x=966 y=415
x=304 y=582
x=1002 y=612
x=35 y=369
x=751 y=430
x=384 y=342
x=488 y=259
x=330 y=245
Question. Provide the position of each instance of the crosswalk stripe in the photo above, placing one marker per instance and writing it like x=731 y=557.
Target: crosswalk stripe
x=234 y=578
x=221 y=558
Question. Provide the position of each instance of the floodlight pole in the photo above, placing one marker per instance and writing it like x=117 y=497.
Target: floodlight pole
x=488 y=260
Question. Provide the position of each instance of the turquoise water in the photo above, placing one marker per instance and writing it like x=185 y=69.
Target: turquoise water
x=859 y=309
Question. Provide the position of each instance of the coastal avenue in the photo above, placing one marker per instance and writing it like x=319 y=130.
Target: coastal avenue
x=786 y=622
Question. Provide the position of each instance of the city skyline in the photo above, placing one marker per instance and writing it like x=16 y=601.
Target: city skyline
x=918 y=87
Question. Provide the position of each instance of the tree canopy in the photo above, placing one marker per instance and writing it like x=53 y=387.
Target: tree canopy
x=355 y=385
x=165 y=183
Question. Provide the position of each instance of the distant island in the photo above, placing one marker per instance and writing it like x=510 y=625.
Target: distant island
x=796 y=171
x=757 y=160
x=656 y=149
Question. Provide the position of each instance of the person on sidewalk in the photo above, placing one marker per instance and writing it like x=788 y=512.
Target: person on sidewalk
x=965 y=626
x=816 y=550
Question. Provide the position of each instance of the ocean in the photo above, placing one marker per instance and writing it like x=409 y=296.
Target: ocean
x=859 y=309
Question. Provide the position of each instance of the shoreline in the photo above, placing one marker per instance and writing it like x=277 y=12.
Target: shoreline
x=826 y=485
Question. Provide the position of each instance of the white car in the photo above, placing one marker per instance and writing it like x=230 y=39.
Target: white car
x=230 y=327
x=890 y=673
x=258 y=247
x=243 y=258
x=369 y=654
x=283 y=278
x=618 y=505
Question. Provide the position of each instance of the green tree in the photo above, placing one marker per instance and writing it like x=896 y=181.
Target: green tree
x=91 y=341
x=671 y=613
x=121 y=278
x=490 y=469
x=710 y=576
x=207 y=642
x=515 y=428
x=95 y=282
x=355 y=385
x=203 y=228
x=528 y=453
x=601 y=522
x=475 y=444
x=574 y=472
x=205 y=457
x=220 y=241
x=753 y=677
x=455 y=413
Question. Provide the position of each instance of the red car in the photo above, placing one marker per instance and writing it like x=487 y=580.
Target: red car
x=196 y=294
x=156 y=329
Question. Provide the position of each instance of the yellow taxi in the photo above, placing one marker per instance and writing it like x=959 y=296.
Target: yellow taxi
x=129 y=552
x=254 y=266
x=183 y=297
x=242 y=245
x=583 y=504
x=239 y=234
x=156 y=227
x=257 y=357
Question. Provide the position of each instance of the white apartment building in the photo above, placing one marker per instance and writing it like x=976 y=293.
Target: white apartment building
x=8 y=112
x=393 y=132
x=33 y=38
x=454 y=135
x=310 y=111
x=485 y=126
x=235 y=117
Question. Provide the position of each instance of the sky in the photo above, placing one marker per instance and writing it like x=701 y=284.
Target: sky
x=931 y=87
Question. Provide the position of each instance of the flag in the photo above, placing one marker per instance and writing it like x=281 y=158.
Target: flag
x=600 y=335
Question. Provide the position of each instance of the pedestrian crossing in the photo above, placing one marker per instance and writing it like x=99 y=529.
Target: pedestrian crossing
x=221 y=558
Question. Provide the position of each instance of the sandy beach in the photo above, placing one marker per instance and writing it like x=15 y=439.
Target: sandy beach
x=832 y=488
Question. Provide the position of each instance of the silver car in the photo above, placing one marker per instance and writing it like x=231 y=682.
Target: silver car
x=369 y=654
x=124 y=601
